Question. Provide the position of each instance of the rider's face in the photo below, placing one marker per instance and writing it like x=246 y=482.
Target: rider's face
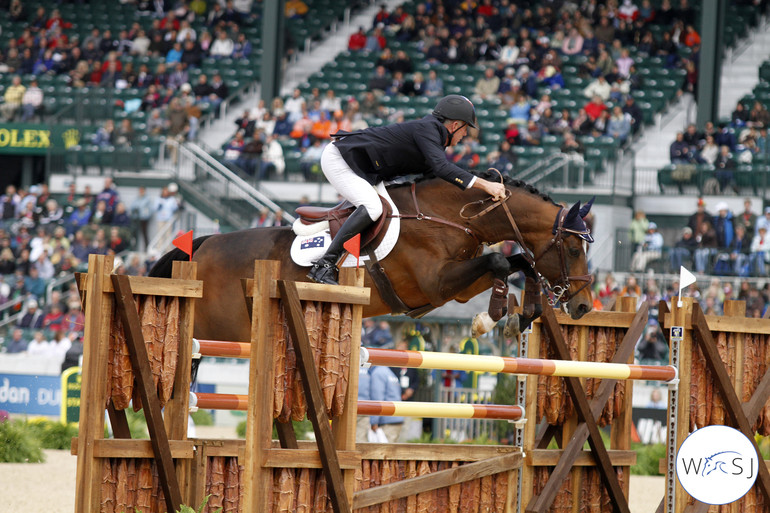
x=459 y=134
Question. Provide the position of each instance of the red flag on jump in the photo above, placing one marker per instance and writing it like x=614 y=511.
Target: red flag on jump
x=353 y=246
x=184 y=242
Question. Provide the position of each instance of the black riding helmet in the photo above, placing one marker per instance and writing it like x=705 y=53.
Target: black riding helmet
x=456 y=106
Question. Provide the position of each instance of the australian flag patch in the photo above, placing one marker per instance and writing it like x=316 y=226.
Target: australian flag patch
x=313 y=242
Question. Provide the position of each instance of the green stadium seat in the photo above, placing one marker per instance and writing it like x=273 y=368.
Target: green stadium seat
x=744 y=177
x=704 y=173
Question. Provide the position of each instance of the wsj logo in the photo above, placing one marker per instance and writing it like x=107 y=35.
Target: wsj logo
x=726 y=462
x=717 y=464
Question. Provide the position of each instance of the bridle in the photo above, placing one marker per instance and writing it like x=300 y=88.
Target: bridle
x=557 y=292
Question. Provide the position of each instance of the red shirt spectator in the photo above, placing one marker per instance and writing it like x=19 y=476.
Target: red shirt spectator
x=595 y=107
x=53 y=320
x=56 y=21
x=357 y=41
x=382 y=16
x=691 y=37
x=169 y=22
x=486 y=9
x=628 y=11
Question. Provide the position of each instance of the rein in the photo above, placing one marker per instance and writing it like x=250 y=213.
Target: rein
x=422 y=217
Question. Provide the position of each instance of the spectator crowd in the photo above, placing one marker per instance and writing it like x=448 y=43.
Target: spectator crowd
x=43 y=238
x=522 y=48
x=724 y=243
x=725 y=146
x=159 y=59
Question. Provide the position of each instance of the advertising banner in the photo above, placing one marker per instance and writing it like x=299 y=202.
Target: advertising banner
x=31 y=395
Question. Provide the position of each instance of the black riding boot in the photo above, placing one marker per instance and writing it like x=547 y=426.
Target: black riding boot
x=325 y=269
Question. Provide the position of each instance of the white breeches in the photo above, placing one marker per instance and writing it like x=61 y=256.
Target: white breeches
x=351 y=186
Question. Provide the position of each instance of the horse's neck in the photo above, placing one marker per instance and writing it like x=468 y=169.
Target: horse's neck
x=437 y=198
x=532 y=213
x=433 y=197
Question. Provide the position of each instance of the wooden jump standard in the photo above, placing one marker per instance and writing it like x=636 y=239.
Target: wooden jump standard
x=208 y=401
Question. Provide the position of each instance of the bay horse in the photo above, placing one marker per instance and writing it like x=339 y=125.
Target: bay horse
x=438 y=256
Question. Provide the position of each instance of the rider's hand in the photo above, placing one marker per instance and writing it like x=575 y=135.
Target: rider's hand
x=496 y=190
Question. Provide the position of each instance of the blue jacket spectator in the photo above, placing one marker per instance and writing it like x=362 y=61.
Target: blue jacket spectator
x=384 y=386
x=79 y=217
x=380 y=336
x=282 y=124
x=242 y=48
x=723 y=225
x=725 y=137
x=17 y=344
x=364 y=384
x=33 y=318
x=34 y=284
x=619 y=125
x=679 y=150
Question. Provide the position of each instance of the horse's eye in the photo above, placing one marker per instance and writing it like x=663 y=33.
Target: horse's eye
x=574 y=252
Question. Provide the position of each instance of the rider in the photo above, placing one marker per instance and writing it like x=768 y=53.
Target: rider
x=354 y=162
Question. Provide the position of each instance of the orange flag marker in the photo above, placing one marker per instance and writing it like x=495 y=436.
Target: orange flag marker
x=353 y=246
x=185 y=243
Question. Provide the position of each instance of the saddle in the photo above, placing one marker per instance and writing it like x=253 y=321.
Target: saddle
x=337 y=215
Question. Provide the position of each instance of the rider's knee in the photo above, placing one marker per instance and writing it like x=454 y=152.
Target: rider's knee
x=374 y=210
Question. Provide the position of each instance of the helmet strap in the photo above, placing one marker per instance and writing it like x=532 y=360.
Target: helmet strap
x=452 y=134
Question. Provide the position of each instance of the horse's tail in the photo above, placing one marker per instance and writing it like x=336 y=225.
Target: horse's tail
x=162 y=268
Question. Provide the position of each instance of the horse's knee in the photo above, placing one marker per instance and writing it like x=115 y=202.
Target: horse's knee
x=499 y=265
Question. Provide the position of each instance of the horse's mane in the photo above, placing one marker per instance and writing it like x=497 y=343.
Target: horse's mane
x=488 y=174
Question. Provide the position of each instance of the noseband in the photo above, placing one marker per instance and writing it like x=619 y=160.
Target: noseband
x=557 y=292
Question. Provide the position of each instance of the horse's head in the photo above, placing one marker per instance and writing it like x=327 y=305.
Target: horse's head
x=562 y=260
x=557 y=239
x=713 y=463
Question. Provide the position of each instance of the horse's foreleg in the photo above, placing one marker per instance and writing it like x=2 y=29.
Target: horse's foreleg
x=459 y=277
x=530 y=310
x=519 y=263
x=532 y=307
x=467 y=278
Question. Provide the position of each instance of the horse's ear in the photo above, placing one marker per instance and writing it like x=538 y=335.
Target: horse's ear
x=585 y=209
x=572 y=213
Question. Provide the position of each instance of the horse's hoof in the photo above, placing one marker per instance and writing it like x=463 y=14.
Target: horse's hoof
x=482 y=323
x=512 y=329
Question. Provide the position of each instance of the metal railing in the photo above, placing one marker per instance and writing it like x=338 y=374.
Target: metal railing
x=601 y=253
x=217 y=188
x=460 y=430
x=543 y=169
x=560 y=173
x=8 y=314
x=182 y=221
